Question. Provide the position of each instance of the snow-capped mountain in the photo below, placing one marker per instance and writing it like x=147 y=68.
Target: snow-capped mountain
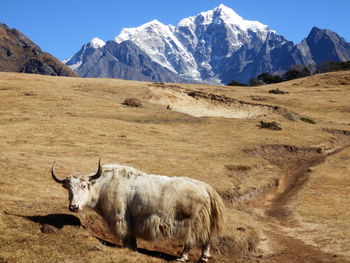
x=161 y=44
x=86 y=51
x=216 y=46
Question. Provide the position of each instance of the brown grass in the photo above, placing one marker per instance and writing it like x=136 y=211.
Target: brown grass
x=73 y=121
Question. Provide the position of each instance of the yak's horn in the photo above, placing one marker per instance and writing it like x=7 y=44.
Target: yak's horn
x=54 y=175
x=98 y=173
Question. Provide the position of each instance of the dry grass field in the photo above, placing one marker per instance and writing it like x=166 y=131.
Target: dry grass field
x=287 y=191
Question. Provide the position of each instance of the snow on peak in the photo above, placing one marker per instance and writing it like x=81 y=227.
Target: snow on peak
x=97 y=43
x=134 y=32
x=223 y=14
x=186 y=22
x=154 y=22
x=161 y=44
x=173 y=47
x=227 y=14
x=223 y=7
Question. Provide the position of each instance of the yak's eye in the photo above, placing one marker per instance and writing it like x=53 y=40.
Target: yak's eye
x=83 y=186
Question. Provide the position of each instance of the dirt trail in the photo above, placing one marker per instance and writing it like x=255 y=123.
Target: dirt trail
x=295 y=163
x=296 y=251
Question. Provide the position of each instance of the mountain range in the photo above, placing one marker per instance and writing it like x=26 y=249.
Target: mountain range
x=215 y=46
x=19 y=54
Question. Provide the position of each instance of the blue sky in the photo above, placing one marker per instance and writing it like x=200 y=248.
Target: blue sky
x=62 y=27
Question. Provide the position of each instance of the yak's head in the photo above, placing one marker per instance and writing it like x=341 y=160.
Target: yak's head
x=79 y=188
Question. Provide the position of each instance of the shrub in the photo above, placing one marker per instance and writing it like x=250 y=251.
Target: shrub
x=239 y=167
x=277 y=91
x=236 y=83
x=255 y=82
x=265 y=78
x=132 y=102
x=269 y=125
x=304 y=119
x=269 y=79
x=296 y=74
x=334 y=66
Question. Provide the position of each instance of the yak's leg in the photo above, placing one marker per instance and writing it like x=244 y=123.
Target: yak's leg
x=124 y=225
x=205 y=252
x=130 y=242
x=184 y=254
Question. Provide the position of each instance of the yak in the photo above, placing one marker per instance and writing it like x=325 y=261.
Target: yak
x=151 y=207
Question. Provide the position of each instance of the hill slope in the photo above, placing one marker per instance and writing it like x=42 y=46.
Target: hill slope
x=20 y=54
x=280 y=187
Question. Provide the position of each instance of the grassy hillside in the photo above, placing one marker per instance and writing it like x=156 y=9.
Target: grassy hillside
x=286 y=191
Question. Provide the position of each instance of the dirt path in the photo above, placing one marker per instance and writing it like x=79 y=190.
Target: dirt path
x=292 y=181
x=293 y=250
x=296 y=164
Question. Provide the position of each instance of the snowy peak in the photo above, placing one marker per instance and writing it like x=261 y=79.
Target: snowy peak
x=217 y=15
x=97 y=43
x=160 y=43
x=226 y=14
x=223 y=15
x=87 y=50
x=154 y=24
x=152 y=27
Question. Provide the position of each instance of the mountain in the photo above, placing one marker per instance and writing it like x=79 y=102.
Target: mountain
x=19 y=54
x=112 y=60
x=324 y=45
x=216 y=46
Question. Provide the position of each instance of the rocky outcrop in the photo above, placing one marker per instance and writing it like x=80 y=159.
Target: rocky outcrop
x=19 y=54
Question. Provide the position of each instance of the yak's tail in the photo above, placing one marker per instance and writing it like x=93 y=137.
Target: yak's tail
x=217 y=217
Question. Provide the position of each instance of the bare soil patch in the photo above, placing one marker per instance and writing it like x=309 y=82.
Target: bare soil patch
x=199 y=103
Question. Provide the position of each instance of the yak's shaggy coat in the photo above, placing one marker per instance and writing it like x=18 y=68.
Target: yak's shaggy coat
x=151 y=207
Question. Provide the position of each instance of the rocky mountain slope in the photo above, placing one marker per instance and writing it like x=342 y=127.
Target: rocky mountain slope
x=324 y=45
x=112 y=60
x=19 y=54
x=214 y=47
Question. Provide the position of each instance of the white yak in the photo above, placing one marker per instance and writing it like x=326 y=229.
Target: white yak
x=147 y=206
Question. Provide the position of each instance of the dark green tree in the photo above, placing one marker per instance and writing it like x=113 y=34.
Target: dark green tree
x=236 y=83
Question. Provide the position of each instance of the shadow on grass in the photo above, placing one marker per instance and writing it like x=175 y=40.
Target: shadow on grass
x=55 y=220
x=150 y=253
x=156 y=254
x=60 y=220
